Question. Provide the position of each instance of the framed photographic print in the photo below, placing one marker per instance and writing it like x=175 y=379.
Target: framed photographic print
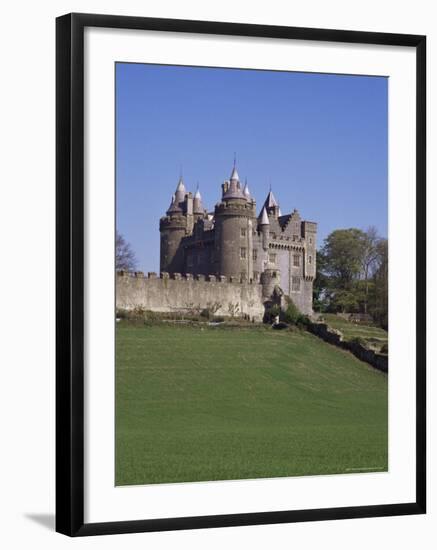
x=240 y=274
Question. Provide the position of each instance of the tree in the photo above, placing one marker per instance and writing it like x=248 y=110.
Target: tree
x=339 y=267
x=345 y=301
x=321 y=284
x=378 y=306
x=125 y=259
x=369 y=258
x=342 y=254
x=352 y=268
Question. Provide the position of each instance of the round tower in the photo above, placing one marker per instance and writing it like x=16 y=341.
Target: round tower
x=270 y=278
x=235 y=221
x=173 y=227
x=264 y=225
x=198 y=209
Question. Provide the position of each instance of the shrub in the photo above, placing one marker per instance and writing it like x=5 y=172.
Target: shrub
x=138 y=313
x=303 y=321
x=291 y=315
x=213 y=307
x=270 y=313
x=122 y=314
x=359 y=341
x=206 y=313
x=384 y=349
x=149 y=315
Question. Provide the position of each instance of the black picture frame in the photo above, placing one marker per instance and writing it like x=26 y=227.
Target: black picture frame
x=70 y=273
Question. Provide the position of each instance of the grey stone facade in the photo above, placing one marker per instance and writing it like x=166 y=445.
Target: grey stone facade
x=178 y=293
x=270 y=249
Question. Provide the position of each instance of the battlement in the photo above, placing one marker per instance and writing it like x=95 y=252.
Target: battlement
x=178 y=221
x=222 y=279
x=236 y=207
x=179 y=292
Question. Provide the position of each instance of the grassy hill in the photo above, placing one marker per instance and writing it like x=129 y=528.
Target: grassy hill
x=197 y=404
x=374 y=336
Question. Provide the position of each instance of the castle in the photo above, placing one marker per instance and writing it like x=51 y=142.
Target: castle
x=231 y=259
x=271 y=250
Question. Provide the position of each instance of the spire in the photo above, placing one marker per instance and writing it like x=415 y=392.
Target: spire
x=264 y=217
x=234 y=175
x=180 y=187
x=233 y=189
x=180 y=191
x=174 y=207
x=197 y=203
x=246 y=191
x=197 y=194
x=270 y=201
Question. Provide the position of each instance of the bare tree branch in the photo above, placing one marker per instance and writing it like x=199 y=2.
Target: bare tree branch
x=125 y=259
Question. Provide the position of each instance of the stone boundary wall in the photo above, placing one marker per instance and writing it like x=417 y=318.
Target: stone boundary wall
x=181 y=292
x=377 y=360
x=356 y=317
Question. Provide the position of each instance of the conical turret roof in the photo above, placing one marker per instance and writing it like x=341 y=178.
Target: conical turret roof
x=197 y=204
x=234 y=189
x=181 y=186
x=174 y=207
x=270 y=201
x=264 y=217
x=246 y=191
x=234 y=175
x=180 y=191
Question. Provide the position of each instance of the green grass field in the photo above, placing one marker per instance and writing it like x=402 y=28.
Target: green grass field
x=376 y=337
x=198 y=404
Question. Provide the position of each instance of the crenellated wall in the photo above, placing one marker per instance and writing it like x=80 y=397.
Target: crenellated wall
x=178 y=292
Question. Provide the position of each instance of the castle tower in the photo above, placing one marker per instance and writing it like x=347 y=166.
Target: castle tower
x=264 y=227
x=198 y=209
x=271 y=205
x=173 y=227
x=235 y=222
x=270 y=278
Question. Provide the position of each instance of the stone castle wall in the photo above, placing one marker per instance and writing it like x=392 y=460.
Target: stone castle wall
x=304 y=299
x=377 y=360
x=181 y=293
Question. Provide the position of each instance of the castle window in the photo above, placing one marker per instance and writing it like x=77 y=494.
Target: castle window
x=295 y=284
x=310 y=259
x=243 y=231
x=272 y=258
x=243 y=253
x=272 y=235
x=296 y=260
x=255 y=254
x=311 y=240
x=255 y=276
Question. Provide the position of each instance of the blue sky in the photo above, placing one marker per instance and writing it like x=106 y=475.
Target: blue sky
x=319 y=140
